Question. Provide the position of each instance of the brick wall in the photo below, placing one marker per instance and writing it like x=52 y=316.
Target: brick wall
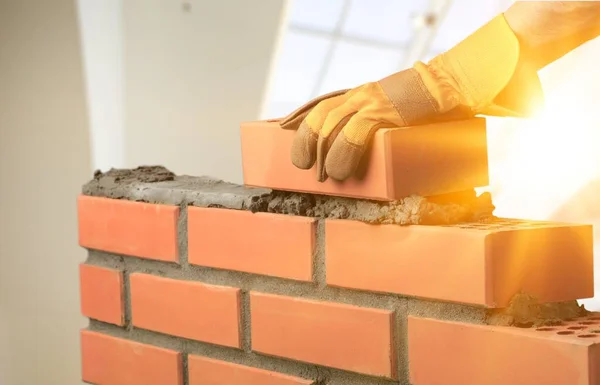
x=194 y=281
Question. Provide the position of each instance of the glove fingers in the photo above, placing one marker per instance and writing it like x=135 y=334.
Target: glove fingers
x=332 y=125
x=348 y=149
x=325 y=143
x=294 y=119
x=304 y=145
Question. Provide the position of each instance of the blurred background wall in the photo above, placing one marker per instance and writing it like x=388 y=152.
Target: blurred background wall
x=44 y=157
x=87 y=84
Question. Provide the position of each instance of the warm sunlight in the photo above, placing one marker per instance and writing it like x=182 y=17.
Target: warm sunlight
x=547 y=159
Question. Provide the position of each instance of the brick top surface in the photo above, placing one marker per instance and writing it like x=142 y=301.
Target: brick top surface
x=510 y=224
x=584 y=330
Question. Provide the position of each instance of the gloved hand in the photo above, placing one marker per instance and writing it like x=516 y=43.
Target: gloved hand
x=480 y=75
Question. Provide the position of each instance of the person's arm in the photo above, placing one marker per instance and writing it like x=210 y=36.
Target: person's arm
x=548 y=30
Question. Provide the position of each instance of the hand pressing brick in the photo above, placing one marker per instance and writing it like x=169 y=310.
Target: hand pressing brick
x=423 y=160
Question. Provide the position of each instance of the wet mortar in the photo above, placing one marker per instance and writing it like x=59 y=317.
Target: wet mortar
x=156 y=184
x=525 y=311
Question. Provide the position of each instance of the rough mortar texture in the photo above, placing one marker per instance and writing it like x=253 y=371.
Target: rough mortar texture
x=526 y=311
x=156 y=184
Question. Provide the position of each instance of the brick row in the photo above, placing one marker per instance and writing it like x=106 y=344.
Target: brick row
x=352 y=338
x=109 y=360
x=439 y=352
x=444 y=352
x=347 y=337
x=426 y=160
x=475 y=263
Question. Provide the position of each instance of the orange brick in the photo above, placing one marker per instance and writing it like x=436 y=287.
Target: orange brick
x=324 y=333
x=186 y=309
x=442 y=352
x=262 y=243
x=137 y=229
x=482 y=264
x=109 y=360
x=102 y=294
x=206 y=371
x=425 y=160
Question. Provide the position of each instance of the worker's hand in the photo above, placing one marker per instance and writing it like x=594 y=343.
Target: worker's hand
x=482 y=74
x=334 y=129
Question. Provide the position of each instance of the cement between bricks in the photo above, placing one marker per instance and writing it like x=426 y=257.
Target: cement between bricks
x=156 y=184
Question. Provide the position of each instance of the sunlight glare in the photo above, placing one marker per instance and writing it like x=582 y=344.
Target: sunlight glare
x=551 y=157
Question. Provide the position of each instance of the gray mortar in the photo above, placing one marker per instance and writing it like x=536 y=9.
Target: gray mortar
x=245 y=281
x=526 y=311
x=319 y=270
x=156 y=184
x=446 y=311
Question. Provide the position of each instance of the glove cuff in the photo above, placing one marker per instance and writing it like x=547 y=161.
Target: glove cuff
x=485 y=73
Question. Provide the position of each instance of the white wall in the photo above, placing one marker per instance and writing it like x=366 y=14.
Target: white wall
x=44 y=159
x=191 y=77
x=102 y=45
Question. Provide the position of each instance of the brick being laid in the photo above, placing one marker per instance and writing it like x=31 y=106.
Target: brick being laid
x=425 y=160
x=474 y=263
x=445 y=352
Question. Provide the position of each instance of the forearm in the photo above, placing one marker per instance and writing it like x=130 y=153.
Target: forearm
x=548 y=30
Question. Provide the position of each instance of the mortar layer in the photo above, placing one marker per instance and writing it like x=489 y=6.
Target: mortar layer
x=156 y=184
x=526 y=311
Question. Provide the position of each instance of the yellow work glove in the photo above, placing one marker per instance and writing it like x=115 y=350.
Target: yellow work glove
x=480 y=75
